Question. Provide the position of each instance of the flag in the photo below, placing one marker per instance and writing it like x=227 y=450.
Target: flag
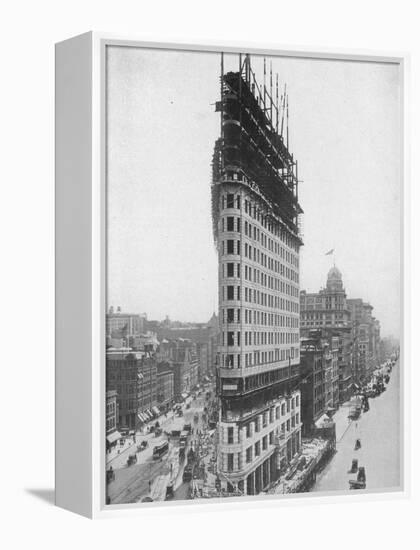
x=329 y=252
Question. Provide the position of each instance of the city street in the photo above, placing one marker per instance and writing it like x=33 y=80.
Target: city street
x=182 y=488
x=131 y=483
x=378 y=429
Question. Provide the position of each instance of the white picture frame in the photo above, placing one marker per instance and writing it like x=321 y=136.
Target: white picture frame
x=80 y=268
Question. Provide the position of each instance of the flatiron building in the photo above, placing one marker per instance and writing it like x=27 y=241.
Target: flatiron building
x=256 y=217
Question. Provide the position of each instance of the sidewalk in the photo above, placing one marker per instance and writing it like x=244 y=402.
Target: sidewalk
x=341 y=420
x=159 y=484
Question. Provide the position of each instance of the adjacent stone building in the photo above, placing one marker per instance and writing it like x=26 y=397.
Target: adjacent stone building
x=327 y=310
x=203 y=336
x=366 y=337
x=349 y=326
x=112 y=433
x=180 y=357
x=312 y=381
x=134 y=378
x=123 y=325
x=165 y=389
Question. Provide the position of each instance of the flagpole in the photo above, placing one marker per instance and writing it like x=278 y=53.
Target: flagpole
x=331 y=253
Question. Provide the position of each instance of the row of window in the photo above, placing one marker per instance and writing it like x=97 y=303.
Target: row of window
x=233 y=360
x=257 y=338
x=230 y=200
x=321 y=323
x=232 y=224
x=254 y=254
x=269 y=300
x=269 y=417
x=258 y=318
x=232 y=246
x=253 y=233
x=274 y=228
x=264 y=299
x=254 y=275
x=306 y=315
x=328 y=306
x=255 y=450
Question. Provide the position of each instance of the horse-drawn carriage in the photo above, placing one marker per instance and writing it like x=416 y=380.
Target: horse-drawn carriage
x=132 y=459
x=110 y=475
x=143 y=445
x=360 y=482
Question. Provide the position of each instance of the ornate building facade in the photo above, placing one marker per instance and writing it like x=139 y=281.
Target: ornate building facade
x=327 y=310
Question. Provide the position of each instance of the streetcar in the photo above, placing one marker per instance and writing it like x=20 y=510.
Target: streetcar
x=188 y=473
x=187 y=428
x=160 y=450
x=183 y=439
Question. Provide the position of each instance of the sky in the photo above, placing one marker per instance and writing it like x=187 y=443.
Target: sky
x=344 y=127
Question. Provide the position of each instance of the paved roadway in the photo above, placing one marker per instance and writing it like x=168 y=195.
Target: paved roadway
x=197 y=406
x=379 y=432
x=135 y=482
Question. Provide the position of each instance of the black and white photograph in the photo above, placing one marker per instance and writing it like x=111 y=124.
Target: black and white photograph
x=209 y=225
x=253 y=276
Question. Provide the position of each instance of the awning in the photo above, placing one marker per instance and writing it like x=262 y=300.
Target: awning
x=184 y=395
x=324 y=418
x=141 y=417
x=146 y=416
x=112 y=438
x=156 y=411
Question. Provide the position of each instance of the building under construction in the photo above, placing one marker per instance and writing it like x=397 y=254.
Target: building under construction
x=256 y=228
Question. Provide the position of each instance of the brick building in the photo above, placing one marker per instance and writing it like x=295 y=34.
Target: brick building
x=312 y=384
x=165 y=389
x=112 y=433
x=134 y=377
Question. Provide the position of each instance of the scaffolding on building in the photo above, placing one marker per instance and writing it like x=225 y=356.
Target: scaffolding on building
x=253 y=148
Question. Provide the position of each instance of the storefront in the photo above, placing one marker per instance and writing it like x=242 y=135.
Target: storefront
x=112 y=439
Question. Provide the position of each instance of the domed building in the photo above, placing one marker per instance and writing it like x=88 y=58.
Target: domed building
x=327 y=311
x=334 y=280
x=328 y=307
